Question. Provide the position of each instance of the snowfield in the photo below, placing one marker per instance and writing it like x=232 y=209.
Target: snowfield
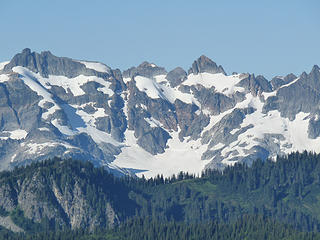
x=99 y=67
x=180 y=156
x=67 y=107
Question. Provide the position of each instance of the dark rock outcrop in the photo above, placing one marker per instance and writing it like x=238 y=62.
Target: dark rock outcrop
x=277 y=82
x=205 y=64
x=302 y=95
x=46 y=64
x=255 y=85
x=145 y=69
x=176 y=76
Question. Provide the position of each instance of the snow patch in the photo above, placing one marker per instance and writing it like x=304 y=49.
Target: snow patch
x=290 y=83
x=30 y=79
x=126 y=80
x=180 y=156
x=2 y=64
x=149 y=86
x=222 y=83
x=153 y=122
x=266 y=95
x=34 y=148
x=73 y=85
x=98 y=136
x=159 y=88
x=218 y=146
x=40 y=84
x=4 y=78
x=44 y=129
x=63 y=129
x=13 y=157
x=90 y=119
x=99 y=67
x=233 y=131
x=295 y=132
x=18 y=134
x=161 y=79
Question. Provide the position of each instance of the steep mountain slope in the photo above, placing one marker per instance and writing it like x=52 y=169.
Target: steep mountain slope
x=148 y=121
x=57 y=194
x=71 y=194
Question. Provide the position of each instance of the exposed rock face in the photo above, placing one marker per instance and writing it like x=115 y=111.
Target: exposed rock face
x=277 y=82
x=214 y=101
x=41 y=197
x=47 y=64
x=7 y=223
x=314 y=126
x=205 y=64
x=154 y=141
x=38 y=97
x=176 y=76
x=301 y=95
x=136 y=119
x=145 y=69
x=256 y=85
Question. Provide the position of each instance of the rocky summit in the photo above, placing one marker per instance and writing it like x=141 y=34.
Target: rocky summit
x=148 y=121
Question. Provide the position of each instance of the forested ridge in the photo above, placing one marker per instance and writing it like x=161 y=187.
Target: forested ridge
x=245 y=228
x=268 y=200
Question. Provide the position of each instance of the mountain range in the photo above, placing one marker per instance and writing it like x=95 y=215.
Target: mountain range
x=148 y=121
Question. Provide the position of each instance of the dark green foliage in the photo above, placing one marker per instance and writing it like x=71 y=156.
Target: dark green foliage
x=247 y=227
x=282 y=193
x=3 y=212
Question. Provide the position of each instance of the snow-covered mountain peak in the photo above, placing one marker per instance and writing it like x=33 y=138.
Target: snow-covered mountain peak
x=150 y=121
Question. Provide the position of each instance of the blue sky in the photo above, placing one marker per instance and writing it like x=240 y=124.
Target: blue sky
x=263 y=37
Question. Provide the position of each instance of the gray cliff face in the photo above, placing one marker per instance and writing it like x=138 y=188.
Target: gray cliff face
x=255 y=85
x=214 y=101
x=145 y=69
x=56 y=106
x=19 y=105
x=176 y=76
x=152 y=139
x=277 y=82
x=48 y=64
x=41 y=197
x=314 y=126
x=300 y=96
x=23 y=109
x=205 y=64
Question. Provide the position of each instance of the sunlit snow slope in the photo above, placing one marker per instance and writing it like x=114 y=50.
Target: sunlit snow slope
x=148 y=121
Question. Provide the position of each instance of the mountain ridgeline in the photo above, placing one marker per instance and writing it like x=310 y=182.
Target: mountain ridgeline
x=63 y=195
x=148 y=121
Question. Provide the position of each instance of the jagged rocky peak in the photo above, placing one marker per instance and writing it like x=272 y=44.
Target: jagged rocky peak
x=315 y=71
x=145 y=69
x=47 y=64
x=176 y=76
x=279 y=81
x=255 y=84
x=312 y=80
x=205 y=64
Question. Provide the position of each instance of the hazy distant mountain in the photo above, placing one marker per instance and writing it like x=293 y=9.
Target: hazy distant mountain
x=146 y=118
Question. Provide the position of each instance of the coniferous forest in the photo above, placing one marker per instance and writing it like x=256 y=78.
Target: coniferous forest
x=268 y=200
